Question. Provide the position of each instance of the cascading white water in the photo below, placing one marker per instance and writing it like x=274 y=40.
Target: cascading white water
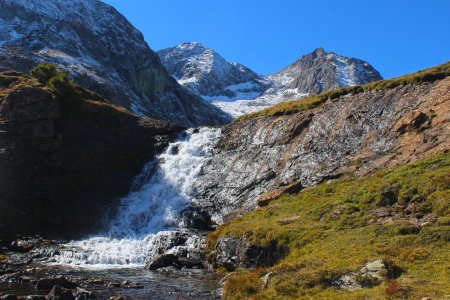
x=153 y=207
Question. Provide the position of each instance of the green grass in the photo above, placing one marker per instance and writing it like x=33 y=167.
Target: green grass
x=323 y=244
x=292 y=107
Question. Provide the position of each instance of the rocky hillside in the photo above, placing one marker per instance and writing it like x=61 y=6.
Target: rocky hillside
x=343 y=195
x=385 y=236
x=103 y=52
x=207 y=74
x=65 y=155
x=354 y=130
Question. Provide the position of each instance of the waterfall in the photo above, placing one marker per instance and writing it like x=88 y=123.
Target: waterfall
x=151 y=209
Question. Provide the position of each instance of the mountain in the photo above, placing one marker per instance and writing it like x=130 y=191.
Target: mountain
x=209 y=75
x=321 y=71
x=206 y=73
x=103 y=52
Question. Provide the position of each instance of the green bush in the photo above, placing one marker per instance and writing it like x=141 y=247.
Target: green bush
x=44 y=72
x=64 y=87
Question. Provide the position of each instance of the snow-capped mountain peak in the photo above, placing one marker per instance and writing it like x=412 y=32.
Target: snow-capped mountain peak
x=238 y=90
x=208 y=74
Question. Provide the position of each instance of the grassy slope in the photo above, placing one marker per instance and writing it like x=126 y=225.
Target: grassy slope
x=291 y=107
x=323 y=245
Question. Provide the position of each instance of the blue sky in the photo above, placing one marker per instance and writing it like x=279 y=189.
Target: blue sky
x=395 y=36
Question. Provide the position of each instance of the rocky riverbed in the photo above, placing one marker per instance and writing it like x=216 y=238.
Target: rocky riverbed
x=28 y=271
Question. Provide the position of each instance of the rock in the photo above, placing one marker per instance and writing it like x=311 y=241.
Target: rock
x=81 y=294
x=60 y=293
x=288 y=220
x=266 y=279
x=120 y=298
x=163 y=260
x=236 y=252
x=376 y=269
x=181 y=249
x=33 y=297
x=196 y=218
x=266 y=198
x=372 y=274
x=61 y=281
x=8 y=297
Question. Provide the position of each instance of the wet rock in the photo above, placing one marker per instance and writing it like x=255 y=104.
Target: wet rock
x=163 y=260
x=60 y=293
x=8 y=297
x=33 y=297
x=82 y=294
x=61 y=281
x=120 y=298
x=180 y=249
x=196 y=218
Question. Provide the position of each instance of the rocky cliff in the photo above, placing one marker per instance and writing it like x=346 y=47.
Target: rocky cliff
x=64 y=159
x=103 y=52
x=351 y=131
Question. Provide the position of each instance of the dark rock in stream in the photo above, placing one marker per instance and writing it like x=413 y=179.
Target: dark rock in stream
x=60 y=293
x=177 y=249
x=48 y=283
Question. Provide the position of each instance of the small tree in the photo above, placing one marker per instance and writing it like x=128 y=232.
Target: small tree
x=44 y=72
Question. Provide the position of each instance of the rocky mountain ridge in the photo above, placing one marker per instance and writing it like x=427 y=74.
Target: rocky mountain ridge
x=103 y=52
x=230 y=85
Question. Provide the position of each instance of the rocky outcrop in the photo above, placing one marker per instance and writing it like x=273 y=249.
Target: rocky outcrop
x=353 y=134
x=176 y=249
x=62 y=162
x=103 y=52
x=237 y=252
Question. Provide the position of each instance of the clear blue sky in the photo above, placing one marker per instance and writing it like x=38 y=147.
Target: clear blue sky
x=395 y=36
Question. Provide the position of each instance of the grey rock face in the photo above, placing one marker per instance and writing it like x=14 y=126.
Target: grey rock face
x=206 y=73
x=355 y=134
x=237 y=252
x=103 y=51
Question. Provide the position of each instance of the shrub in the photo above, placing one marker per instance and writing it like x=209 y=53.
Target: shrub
x=44 y=72
x=64 y=87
